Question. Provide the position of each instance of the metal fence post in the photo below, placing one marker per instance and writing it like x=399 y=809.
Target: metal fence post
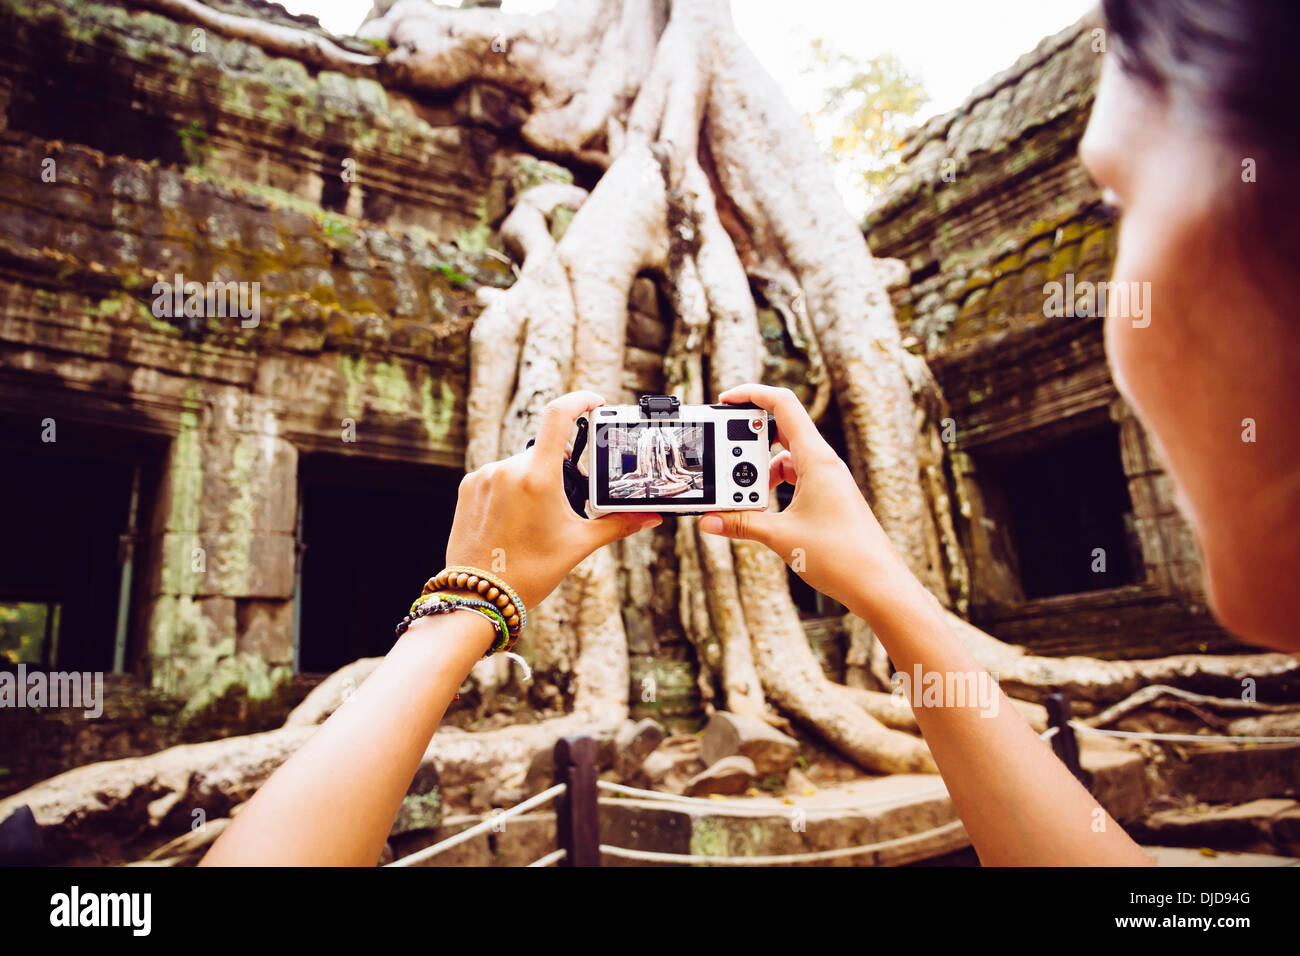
x=1063 y=741
x=577 y=825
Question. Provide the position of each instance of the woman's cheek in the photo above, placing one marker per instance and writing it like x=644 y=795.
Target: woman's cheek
x=1150 y=362
x=1131 y=351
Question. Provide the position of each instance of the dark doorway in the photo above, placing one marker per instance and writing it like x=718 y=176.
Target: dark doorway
x=373 y=533
x=1065 y=500
x=63 y=510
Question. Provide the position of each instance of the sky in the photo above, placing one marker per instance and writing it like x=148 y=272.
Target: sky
x=950 y=45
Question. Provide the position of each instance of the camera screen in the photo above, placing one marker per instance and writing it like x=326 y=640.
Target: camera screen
x=655 y=462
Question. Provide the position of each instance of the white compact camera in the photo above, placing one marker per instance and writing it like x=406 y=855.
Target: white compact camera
x=660 y=455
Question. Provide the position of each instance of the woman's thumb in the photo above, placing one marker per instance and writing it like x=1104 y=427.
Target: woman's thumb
x=612 y=527
x=745 y=525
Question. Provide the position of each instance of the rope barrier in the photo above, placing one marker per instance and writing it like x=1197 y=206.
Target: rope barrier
x=723 y=810
x=716 y=805
x=1181 y=738
x=483 y=827
x=555 y=856
x=652 y=856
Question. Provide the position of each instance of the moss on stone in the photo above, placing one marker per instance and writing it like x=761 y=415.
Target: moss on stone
x=239 y=689
x=721 y=836
x=186 y=469
x=353 y=370
x=530 y=171
x=419 y=811
x=437 y=414
x=391 y=387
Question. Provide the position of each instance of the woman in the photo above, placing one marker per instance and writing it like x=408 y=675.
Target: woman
x=1195 y=95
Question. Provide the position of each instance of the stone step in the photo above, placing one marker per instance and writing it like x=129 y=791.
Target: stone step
x=1264 y=823
x=1183 y=856
x=861 y=812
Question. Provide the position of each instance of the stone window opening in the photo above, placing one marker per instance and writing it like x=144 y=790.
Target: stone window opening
x=73 y=569
x=1060 y=513
x=372 y=533
x=29 y=630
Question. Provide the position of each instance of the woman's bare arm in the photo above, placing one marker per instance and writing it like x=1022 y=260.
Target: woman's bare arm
x=1019 y=803
x=334 y=801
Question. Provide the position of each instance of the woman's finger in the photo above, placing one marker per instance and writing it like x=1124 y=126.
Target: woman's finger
x=557 y=427
x=795 y=429
x=782 y=470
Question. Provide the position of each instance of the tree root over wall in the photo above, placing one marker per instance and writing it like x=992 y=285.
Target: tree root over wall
x=712 y=185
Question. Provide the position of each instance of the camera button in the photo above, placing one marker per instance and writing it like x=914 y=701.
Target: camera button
x=737 y=497
x=737 y=451
x=744 y=474
x=753 y=496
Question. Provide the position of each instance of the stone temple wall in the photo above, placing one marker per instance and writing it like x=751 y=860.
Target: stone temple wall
x=127 y=158
x=134 y=150
x=993 y=206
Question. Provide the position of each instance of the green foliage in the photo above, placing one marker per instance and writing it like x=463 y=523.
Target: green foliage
x=194 y=144
x=22 y=632
x=870 y=105
x=454 y=275
x=337 y=231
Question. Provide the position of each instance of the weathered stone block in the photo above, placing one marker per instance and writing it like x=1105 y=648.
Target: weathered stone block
x=644 y=299
x=1155 y=553
x=663 y=688
x=728 y=734
x=729 y=776
x=249 y=484
x=265 y=628
x=233 y=565
x=422 y=807
x=633 y=743
x=192 y=627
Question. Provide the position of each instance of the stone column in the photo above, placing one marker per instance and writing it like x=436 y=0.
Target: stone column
x=1169 y=548
x=221 y=615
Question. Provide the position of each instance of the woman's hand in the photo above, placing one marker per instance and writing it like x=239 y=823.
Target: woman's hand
x=513 y=520
x=828 y=534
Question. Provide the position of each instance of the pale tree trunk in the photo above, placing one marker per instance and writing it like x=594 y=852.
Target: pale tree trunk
x=712 y=185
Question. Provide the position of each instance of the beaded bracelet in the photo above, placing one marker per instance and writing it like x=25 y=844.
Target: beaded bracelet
x=472 y=581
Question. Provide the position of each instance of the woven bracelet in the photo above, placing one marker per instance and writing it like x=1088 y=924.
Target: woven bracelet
x=442 y=603
x=489 y=610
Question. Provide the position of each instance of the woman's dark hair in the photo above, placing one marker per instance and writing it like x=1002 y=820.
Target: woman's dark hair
x=1237 y=61
x=1237 y=64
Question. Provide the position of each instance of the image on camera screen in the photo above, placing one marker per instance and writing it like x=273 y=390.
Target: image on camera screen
x=656 y=461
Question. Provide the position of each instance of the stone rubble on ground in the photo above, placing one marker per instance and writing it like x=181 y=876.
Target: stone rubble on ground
x=728 y=734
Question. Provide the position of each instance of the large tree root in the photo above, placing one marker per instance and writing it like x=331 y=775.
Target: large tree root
x=1091 y=683
x=120 y=810
x=713 y=186
x=1211 y=711
x=94 y=811
x=310 y=48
